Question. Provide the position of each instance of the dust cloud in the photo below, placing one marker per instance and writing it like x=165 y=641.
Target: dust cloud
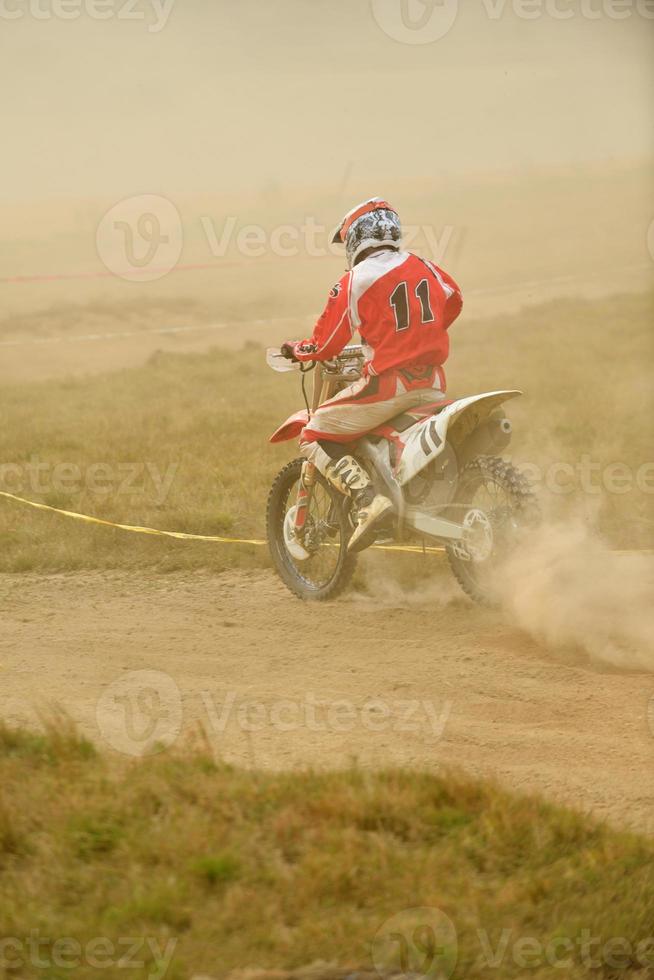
x=563 y=585
x=263 y=98
x=566 y=587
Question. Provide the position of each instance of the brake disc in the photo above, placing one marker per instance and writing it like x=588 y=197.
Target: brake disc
x=477 y=542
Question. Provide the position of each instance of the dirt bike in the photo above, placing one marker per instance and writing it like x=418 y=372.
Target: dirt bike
x=437 y=463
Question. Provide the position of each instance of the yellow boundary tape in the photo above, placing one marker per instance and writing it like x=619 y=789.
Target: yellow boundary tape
x=182 y=536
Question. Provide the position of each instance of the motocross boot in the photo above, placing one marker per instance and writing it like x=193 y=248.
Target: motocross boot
x=350 y=478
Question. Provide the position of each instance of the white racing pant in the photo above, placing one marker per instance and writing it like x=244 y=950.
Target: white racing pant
x=363 y=406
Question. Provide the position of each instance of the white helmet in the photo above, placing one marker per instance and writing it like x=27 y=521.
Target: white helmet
x=368 y=225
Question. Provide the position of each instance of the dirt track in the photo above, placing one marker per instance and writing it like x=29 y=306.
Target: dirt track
x=537 y=719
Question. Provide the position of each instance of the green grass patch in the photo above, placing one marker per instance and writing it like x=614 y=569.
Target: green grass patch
x=217 y=869
x=230 y=868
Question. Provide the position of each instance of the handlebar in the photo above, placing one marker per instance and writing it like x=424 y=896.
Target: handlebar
x=351 y=350
x=345 y=366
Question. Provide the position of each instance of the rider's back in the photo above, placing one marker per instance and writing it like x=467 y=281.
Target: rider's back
x=402 y=306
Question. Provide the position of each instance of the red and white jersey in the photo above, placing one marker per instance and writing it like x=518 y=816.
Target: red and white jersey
x=401 y=306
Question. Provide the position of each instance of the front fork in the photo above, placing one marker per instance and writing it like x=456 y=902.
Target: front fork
x=323 y=388
x=307 y=483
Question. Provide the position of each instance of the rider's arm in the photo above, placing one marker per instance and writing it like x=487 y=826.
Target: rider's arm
x=454 y=301
x=333 y=330
x=452 y=298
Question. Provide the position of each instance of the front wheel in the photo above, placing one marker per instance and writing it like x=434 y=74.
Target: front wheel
x=319 y=567
x=496 y=502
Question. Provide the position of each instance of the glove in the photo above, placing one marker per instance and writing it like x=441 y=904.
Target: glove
x=287 y=350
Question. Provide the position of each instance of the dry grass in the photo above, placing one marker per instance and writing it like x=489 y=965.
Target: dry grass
x=235 y=868
x=202 y=422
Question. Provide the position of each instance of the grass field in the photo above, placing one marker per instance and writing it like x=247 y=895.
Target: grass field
x=180 y=443
x=198 y=868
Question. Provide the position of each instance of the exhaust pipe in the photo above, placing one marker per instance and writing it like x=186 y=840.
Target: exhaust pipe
x=492 y=436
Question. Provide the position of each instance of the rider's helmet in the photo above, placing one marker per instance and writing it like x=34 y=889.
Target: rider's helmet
x=369 y=225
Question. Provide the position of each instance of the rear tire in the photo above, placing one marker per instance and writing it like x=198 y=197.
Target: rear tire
x=519 y=513
x=297 y=576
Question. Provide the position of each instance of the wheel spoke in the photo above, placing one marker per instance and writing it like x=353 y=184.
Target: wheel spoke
x=496 y=488
x=318 y=570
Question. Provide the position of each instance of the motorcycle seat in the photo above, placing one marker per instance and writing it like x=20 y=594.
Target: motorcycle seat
x=406 y=419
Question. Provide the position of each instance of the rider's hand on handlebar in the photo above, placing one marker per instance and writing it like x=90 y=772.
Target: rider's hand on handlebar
x=287 y=350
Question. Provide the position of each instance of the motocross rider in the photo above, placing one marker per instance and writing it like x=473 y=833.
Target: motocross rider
x=402 y=306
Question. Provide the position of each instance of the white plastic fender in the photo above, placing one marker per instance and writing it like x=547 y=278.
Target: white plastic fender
x=426 y=439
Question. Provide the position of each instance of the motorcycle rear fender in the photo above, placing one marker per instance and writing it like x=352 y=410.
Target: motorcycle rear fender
x=291 y=428
x=425 y=441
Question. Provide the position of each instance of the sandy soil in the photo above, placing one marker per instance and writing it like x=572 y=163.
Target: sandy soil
x=430 y=681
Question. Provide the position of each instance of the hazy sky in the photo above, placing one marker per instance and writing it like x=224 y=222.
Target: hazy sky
x=244 y=93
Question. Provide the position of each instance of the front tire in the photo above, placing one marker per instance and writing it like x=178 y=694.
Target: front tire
x=506 y=497
x=329 y=569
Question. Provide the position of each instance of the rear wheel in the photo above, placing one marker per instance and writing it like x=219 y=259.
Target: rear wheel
x=318 y=566
x=496 y=502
